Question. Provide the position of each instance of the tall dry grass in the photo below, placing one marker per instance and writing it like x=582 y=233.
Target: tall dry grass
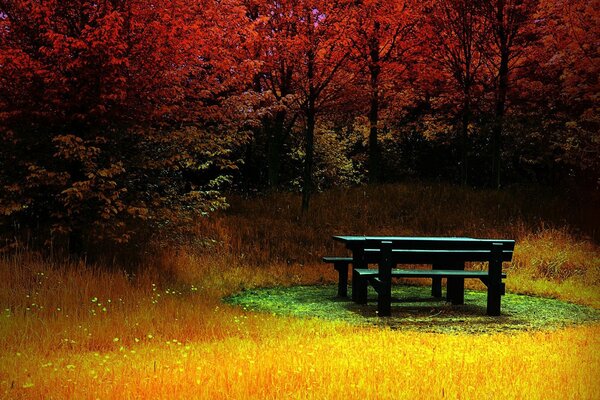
x=271 y=228
x=555 y=253
x=77 y=331
x=74 y=332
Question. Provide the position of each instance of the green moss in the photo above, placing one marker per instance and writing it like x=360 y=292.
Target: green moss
x=415 y=309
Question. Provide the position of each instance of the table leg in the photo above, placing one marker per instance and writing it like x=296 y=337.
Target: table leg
x=361 y=290
x=354 y=284
x=384 y=299
x=496 y=287
x=358 y=262
x=456 y=286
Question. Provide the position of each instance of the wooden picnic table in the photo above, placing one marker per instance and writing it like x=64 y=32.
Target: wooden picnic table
x=446 y=255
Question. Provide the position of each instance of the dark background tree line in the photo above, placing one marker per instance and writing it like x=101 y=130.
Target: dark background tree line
x=123 y=118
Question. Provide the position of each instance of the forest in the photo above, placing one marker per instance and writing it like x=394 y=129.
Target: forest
x=172 y=173
x=120 y=118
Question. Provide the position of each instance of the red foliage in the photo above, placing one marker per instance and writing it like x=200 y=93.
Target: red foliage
x=117 y=111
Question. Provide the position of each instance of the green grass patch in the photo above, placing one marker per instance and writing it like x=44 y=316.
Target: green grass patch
x=414 y=309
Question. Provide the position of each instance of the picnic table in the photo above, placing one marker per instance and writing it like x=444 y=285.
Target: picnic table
x=446 y=255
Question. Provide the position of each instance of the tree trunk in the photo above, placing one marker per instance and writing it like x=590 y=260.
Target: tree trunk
x=275 y=149
x=76 y=245
x=464 y=137
x=499 y=121
x=375 y=69
x=309 y=157
x=500 y=96
x=374 y=151
x=279 y=132
x=310 y=132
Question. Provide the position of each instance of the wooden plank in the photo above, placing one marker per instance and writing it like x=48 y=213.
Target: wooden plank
x=495 y=285
x=456 y=284
x=358 y=261
x=424 y=243
x=334 y=259
x=376 y=283
x=342 y=268
x=359 y=289
x=426 y=273
x=384 y=295
x=372 y=256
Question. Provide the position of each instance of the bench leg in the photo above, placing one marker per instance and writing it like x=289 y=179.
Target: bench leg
x=494 y=298
x=360 y=286
x=456 y=286
x=384 y=298
x=436 y=285
x=358 y=262
x=496 y=287
x=342 y=269
x=355 y=284
x=458 y=293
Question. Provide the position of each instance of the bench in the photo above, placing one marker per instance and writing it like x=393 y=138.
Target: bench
x=446 y=255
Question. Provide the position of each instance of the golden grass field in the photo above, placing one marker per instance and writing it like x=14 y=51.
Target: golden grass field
x=78 y=331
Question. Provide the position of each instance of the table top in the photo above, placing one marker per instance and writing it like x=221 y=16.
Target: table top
x=351 y=238
x=423 y=242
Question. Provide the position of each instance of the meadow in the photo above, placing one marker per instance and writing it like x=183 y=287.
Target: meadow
x=77 y=330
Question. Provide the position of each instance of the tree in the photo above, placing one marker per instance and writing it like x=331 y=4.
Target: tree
x=508 y=20
x=380 y=37
x=457 y=31
x=324 y=49
x=303 y=48
x=109 y=108
x=569 y=56
x=276 y=27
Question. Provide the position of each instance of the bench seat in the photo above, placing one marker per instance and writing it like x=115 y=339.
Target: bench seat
x=333 y=260
x=455 y=278
x=426 y=273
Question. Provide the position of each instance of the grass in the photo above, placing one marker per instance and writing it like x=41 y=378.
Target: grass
x=271 y=229
x=78 y=331
x=414 y=309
